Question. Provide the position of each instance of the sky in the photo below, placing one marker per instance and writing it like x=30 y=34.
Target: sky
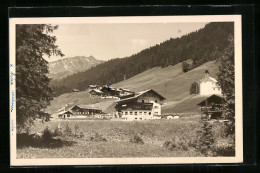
x=114 y=40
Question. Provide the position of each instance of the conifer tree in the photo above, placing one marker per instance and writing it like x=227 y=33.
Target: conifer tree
x=33 y=93
x=226 y=79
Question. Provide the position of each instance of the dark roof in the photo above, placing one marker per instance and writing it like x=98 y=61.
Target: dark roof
x=142 y=93
x=65 y=112
x=86 y=107
x=216 y=99
x=96 y=91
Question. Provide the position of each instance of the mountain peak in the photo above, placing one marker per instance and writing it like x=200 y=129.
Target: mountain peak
x=70 y=65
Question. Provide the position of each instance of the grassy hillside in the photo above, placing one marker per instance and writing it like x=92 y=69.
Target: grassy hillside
x=75 y=98
x=188 y=105
x=171 y=82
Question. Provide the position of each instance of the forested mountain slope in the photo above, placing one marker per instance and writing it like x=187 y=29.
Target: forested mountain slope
x=200 y=46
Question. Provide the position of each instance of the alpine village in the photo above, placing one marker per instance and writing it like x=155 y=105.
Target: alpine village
x=165 y=101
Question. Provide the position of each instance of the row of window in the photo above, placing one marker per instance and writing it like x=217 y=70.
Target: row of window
x=87 y=112
x=63 y=116
x=137 y=113
x=149 y=95
x=148 y=101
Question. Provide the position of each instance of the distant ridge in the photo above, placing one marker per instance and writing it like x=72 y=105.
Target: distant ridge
x=64 y=67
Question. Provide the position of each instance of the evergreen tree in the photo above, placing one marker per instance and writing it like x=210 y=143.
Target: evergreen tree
x=32 y=85
x=194 y=89
x=226 y=79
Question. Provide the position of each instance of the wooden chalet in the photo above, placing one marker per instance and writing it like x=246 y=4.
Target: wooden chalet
x=212 y=106
x=142 y=106
x=96 y=92
x=124 y=93
x=107 y=91
x=85 y=110
x=124 y=96
x=75 y=90
x=92 y=87
x=65 y=114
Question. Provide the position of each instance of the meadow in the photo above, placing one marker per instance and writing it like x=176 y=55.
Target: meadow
x=113 y=139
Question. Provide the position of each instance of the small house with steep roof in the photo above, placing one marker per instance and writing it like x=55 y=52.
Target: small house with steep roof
x=212 y=106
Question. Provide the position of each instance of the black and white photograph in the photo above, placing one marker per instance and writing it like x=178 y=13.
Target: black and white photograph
x=126 y=90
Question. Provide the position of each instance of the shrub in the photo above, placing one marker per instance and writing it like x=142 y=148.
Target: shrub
x=224 y=151
x=57 y=132
x=185 y=67
x=136 y=139
x=67 y=130
x=169 y=145
x=76 y=127
x=194 y=89
x=177 y=143
x=98 y=138
x=47 y=135
x=81 y=134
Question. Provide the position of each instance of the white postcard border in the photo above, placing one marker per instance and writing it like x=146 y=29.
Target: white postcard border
x=114 y=161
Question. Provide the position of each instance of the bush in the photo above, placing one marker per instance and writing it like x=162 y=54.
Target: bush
x=224 y=151
x=98 y=138
x=136 y=139
x=57 y=132
x=177 y=143
x=185 y=67
x=76 y=127
x=169 y=145
x=67 y=130
x=47 y=135
x=194 y=89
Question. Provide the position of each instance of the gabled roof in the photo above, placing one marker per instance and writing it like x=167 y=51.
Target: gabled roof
x=142 y=93
x=106 y=107
x=208 y=79
x=86 y=107
x=217 y=99
x=96 y=91
x=63 y=112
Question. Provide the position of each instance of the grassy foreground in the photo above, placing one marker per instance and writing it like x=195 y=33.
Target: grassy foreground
x=104 y=138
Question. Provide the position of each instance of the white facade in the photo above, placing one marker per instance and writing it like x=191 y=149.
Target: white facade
x=131 y=115
x=208 y=86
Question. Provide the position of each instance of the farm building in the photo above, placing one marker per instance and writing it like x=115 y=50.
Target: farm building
x=124 y=93
x=92 y=87
x=75 y=90
x=64 y=114
x=209 y=86
x=85 y=110
x=143 y=106
x=211 y=106
x=96 y=93
x=110 y=92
